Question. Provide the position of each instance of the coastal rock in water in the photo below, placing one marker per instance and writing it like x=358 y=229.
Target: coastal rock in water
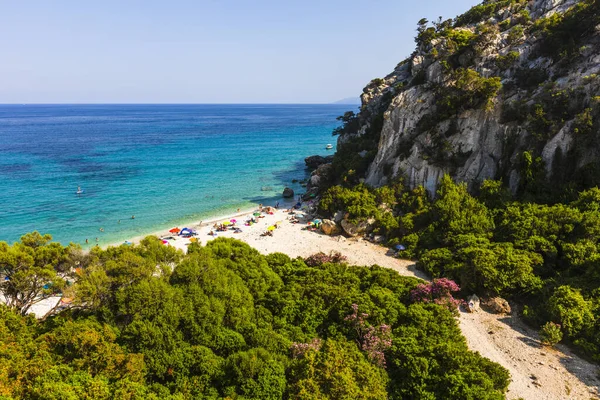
x=313 y=162
x=288 y=193
x=329 y=227
x=498 y=305
x=356 y=229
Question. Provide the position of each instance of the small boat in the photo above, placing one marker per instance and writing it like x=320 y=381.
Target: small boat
x=79 y=190
x=329 y=147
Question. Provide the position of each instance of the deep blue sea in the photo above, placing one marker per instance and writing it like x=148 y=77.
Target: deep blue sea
x=165 y=164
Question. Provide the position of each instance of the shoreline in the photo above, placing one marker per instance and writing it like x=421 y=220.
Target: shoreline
x=197 y=225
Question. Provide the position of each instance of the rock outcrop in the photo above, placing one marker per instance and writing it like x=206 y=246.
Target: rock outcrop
x=480 y=92
x=288 y=192
x=498 y=305
x=330 y=228
x=358 y=229
x=318 y=179
x=313 y=162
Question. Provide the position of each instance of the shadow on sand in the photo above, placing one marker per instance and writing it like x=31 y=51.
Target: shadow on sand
x=586 y=372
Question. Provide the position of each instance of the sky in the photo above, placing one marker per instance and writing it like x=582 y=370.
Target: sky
x=204 y=51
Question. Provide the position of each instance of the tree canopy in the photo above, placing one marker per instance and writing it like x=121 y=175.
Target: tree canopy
x=224 y=321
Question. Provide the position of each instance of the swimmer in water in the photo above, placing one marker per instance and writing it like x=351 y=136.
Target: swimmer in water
x=86 y=240
x=96 y=239
x=133 y=217
x=101 y=229
x=119 y=222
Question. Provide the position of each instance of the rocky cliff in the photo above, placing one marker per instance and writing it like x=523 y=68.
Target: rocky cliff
x=509 y=90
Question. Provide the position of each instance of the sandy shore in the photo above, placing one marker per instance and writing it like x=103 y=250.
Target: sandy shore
x=292 y=240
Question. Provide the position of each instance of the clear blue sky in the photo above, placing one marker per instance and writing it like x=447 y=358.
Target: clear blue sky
x=204 y=51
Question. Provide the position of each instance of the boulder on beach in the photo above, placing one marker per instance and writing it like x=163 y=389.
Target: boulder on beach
x=329 y=227
x=288 y=193
x=498 y=305
x=472 y=303
x=353 y=230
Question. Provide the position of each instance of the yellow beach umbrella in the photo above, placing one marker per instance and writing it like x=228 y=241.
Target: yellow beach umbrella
x=226 y=223
x=193 y=239
x=271 y=228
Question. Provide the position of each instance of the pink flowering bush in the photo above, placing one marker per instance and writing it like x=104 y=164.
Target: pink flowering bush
x=373 y=340
x=439 y=292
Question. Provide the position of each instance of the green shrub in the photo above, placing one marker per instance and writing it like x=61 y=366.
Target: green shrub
x=481 y=12
x=561 y=34
x=508 y=60
x=468 y=90
x=515 y=35
x=550 y=334
x=574 y=313
x=584 y=122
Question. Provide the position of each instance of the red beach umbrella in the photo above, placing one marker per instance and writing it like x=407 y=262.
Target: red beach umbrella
x=175 y=230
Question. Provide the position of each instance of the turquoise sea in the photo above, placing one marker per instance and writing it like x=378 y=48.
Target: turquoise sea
x=164 y=164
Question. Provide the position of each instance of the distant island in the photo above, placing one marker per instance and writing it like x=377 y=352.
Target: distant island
x=348 y=100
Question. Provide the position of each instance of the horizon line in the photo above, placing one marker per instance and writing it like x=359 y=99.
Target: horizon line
x=153 y=103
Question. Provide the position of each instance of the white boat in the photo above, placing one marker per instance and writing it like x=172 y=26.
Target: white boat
x=79 y=190
x=329 y=147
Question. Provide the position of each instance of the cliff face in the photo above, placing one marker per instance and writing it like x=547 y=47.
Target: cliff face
x=508 y=90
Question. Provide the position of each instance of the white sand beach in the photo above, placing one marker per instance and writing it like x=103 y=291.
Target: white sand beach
x=291 y=239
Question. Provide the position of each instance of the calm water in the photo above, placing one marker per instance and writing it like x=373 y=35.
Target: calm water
x=165 y=164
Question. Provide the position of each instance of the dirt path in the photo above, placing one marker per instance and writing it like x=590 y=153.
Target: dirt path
x=537 y=372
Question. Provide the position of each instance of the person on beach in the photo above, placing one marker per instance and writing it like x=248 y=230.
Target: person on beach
x=238 y=210
x=277 y=205
x=260 y=206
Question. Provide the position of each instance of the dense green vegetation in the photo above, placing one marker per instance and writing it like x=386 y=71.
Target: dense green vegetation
x=545 y=256
x=540 y=247
x=223 y=321
x=561 y=34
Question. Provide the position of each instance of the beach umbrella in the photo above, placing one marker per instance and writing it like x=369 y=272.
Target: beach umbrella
x=399 y=247
x=271 y=228
x=226 y=223
x=174 y=230
x=193 y=240
x=233 y=221
x=256 y=214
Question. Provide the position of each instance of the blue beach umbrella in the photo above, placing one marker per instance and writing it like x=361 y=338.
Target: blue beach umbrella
x=399 y=247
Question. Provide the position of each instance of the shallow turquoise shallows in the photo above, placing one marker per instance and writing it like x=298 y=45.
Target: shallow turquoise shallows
x=164 y=164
